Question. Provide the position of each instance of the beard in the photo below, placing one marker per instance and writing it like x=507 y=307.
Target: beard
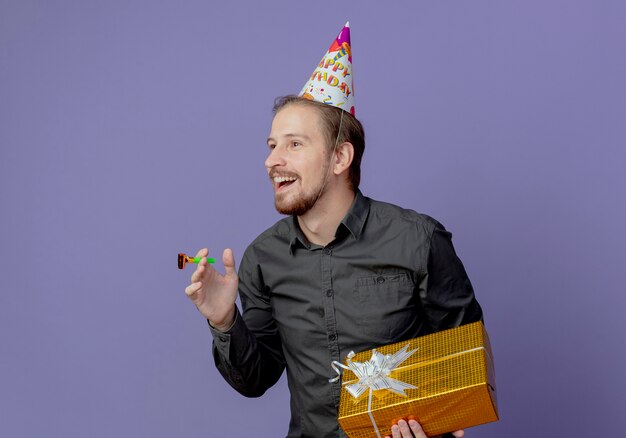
x=302 y=202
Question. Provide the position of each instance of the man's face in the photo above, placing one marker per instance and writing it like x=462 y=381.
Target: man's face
x=298 y=161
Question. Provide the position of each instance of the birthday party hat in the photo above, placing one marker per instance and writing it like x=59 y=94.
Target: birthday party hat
x=331 y=82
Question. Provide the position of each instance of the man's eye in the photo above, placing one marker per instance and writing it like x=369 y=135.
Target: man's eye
x=296 y=144
x=271 y=146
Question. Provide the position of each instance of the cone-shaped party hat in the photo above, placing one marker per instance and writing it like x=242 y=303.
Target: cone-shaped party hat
x=331 y=82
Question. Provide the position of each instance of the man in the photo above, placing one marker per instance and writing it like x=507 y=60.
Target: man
x=342 y=272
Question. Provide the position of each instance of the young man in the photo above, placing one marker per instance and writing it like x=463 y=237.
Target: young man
x=341 y=273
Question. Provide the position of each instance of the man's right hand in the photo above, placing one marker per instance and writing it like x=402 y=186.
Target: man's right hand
x=214 y=294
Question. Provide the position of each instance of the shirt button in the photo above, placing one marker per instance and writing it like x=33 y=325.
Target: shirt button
x=332 y=337
x=329 y=293
x=328 y=251
x=380 y=280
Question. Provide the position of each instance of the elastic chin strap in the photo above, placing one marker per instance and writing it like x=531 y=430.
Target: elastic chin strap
x=330 y=159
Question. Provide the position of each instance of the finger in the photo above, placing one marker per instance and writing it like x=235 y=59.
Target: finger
x=416 y=429
x=193 y=288
x=203 y=252
x=395 y=431
x=229 y=262
x=405 y=430
x=198 y=273
x=459 y=433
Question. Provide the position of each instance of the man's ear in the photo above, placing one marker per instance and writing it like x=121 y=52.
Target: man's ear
x=343 y=157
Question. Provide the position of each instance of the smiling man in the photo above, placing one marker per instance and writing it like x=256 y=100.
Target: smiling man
x=340 y=273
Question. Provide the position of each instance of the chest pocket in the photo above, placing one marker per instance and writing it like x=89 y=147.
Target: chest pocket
x=387 y=306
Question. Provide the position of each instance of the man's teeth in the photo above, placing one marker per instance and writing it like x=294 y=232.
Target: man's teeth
x=280 y=179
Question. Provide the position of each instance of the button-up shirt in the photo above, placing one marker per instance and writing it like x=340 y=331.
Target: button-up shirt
x=389 y=275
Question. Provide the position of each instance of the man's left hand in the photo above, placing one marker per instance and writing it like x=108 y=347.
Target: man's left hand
x=412 y=429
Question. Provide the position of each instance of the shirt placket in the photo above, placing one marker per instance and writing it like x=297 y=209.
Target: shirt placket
x=328 y=297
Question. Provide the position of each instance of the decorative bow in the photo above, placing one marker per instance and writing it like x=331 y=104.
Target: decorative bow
x=373 y=374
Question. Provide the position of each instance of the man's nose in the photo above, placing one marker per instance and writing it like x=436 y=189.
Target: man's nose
x=275 y=158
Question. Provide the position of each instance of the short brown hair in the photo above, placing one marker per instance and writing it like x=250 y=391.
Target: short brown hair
x=351 y=130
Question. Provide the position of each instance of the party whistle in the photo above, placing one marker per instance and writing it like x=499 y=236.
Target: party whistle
x=183 y=259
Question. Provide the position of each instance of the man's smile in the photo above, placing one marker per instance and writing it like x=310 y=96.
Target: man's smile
x=282 y=182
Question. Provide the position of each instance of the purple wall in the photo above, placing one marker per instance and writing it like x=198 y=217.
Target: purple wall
x=130 y=131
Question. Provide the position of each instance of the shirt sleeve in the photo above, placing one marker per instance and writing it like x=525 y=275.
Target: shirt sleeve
x=249 y=355
x=446 y=292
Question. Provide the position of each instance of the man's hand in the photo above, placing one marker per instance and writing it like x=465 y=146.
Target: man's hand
x=413 y=429
x=214 y=294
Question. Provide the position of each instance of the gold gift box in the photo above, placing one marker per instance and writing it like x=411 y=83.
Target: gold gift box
x=455 y=379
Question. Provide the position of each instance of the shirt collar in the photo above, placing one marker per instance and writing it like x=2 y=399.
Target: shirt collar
x=353 y=222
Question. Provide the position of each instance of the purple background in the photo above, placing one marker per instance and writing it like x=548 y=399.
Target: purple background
x=132 y=130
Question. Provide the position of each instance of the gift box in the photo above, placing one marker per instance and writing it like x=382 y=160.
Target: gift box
x=445 y=381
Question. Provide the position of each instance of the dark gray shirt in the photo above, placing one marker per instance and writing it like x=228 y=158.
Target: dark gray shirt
x=389 y=275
